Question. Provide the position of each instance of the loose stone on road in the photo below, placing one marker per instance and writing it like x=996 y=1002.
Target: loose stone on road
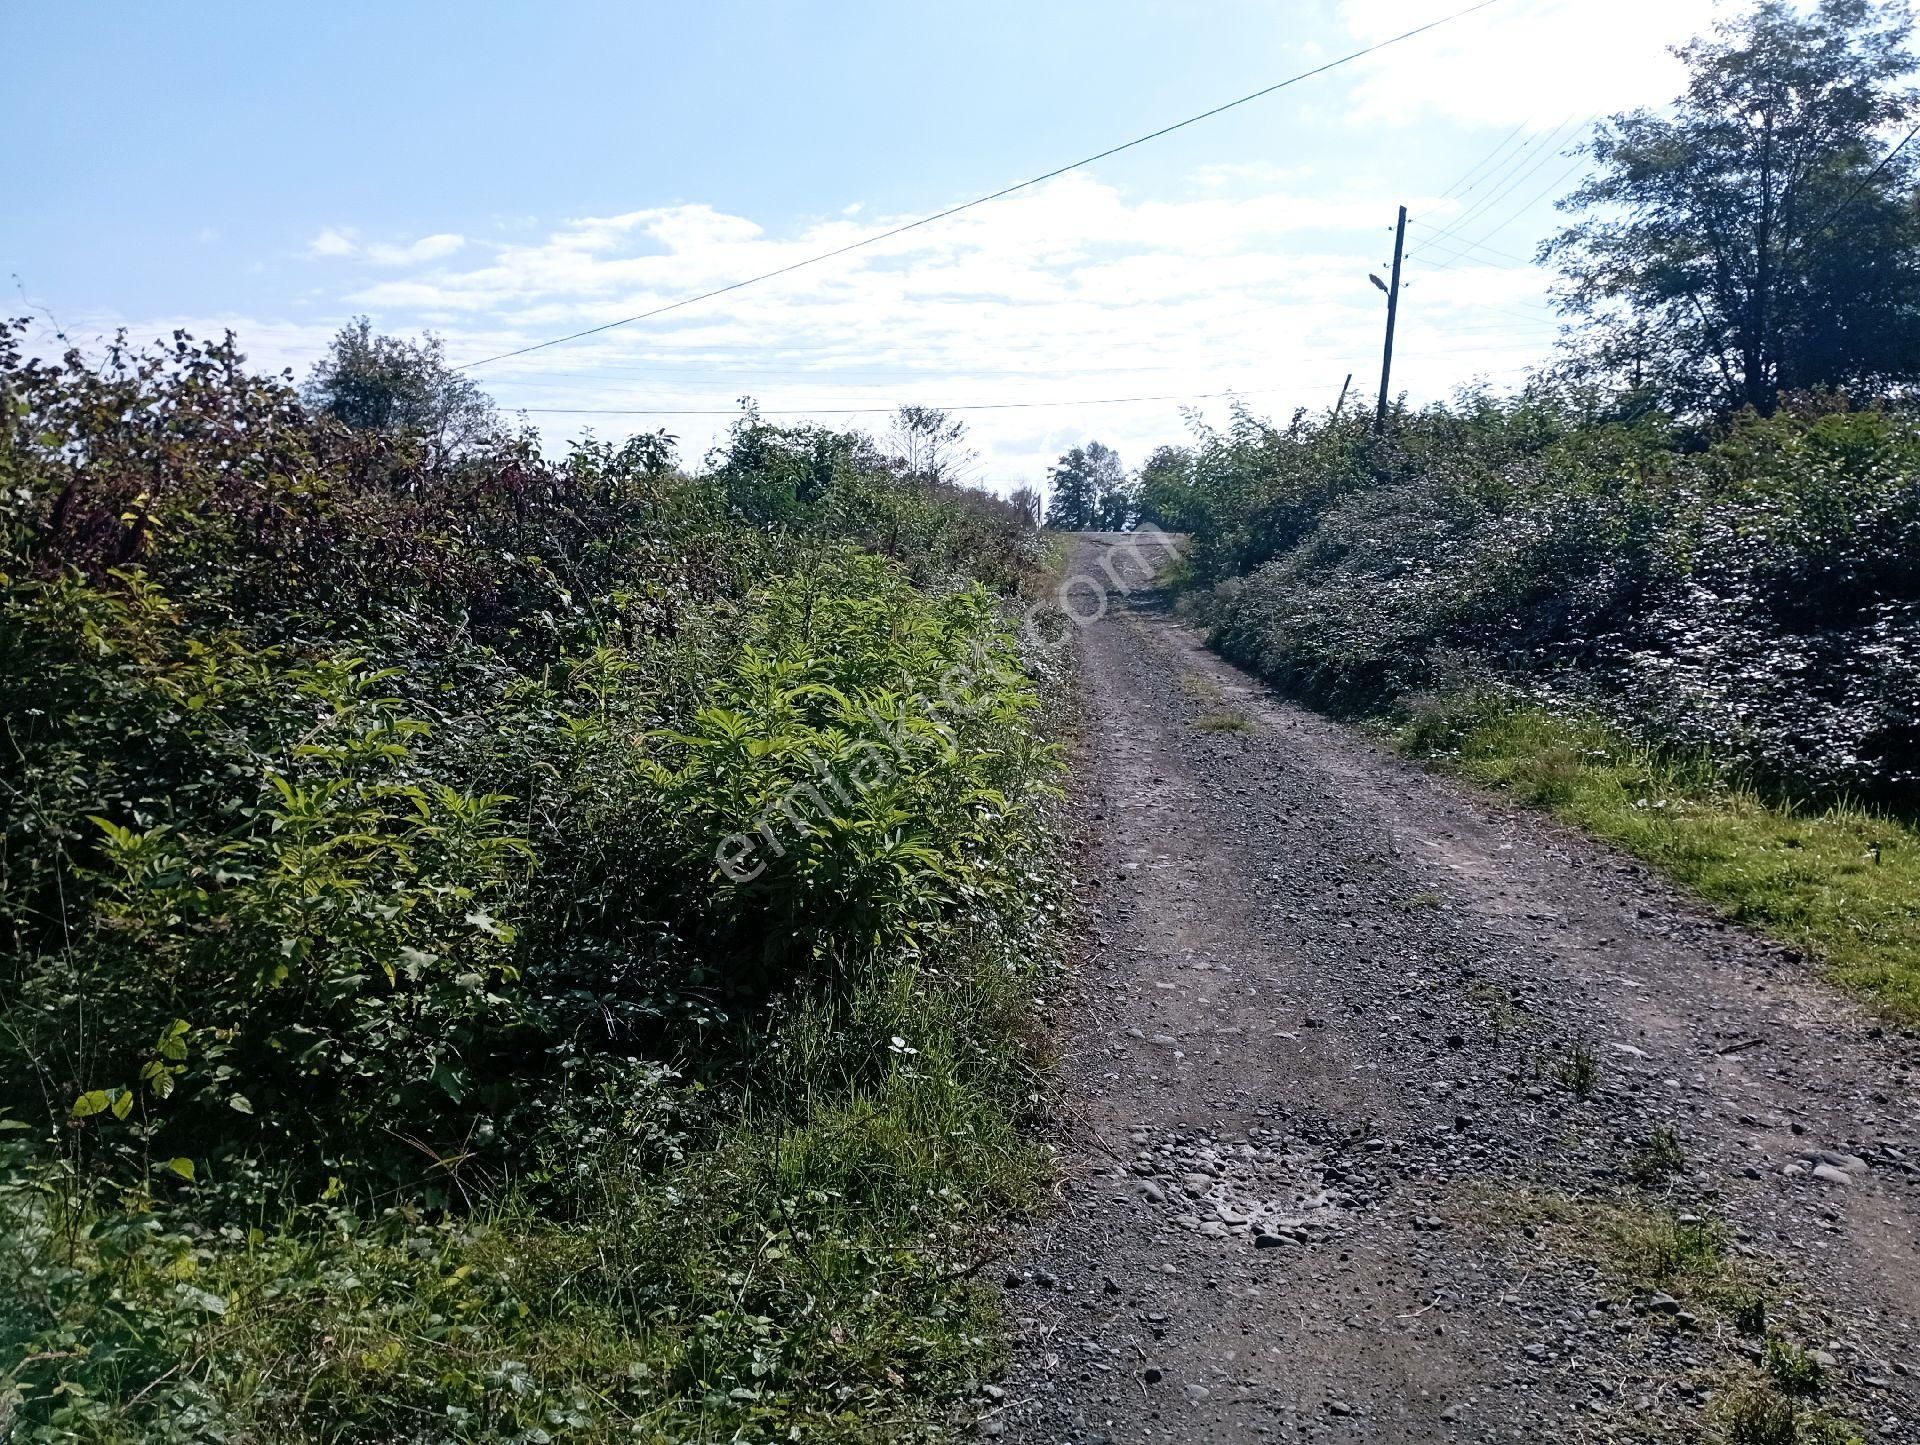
x=1392 y=1113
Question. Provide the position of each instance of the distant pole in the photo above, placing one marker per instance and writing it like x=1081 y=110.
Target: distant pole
x=1393 y=315
x=1343 y=396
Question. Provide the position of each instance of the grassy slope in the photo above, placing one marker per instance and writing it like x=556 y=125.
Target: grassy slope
x=1843 y=884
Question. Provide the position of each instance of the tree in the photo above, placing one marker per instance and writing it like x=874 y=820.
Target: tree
x=1119 y=498
x=1091 y=492
x=931 y=444
x=1027 y=500
x=1761 y=238
x=385 y=383
x=1167 y=490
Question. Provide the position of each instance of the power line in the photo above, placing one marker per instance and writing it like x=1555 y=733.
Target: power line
x=1457 y=247
x=1525 y=206
x=1514 y=170
x=1579 y=162
x=1000 y=194
x=1867 y=180
x=1509 y=164
x=1560 y=135
x=874 y=410
x=1450 y=238
x=1474 y=169
x=748 y=374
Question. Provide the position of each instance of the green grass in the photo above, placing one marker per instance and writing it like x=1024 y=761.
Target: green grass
x=815 y=1263
x=1658 y=1160
x=1643 y=1246
x=1224 y=722
x=1840 y=883
x=1756 y=1415
x=1647 y=1249
x=1652 y=1245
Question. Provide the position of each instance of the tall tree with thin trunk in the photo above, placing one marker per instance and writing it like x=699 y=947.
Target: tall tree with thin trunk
x=931 y=444
x=1760 y=238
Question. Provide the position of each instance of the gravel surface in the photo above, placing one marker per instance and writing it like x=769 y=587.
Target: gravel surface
x=1363 y=1074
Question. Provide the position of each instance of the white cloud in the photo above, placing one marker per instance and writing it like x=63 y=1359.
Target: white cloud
x=1252 y=276
x=1249 y=279
x=341 y=241
x=332 y=242
x=427 y=248
x=1533 y=62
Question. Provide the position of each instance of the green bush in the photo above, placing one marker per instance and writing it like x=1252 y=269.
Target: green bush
x=1747 y=591
x=388 y=1054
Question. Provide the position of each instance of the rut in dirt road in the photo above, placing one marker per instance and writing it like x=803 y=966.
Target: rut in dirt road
x=1394 y=1114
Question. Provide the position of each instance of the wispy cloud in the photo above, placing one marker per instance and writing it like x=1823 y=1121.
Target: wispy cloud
x=1250 y=279
x=1532 y=62
x=333 y=242
x=336 y=242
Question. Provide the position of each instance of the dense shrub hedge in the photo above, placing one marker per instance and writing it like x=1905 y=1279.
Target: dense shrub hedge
x=1749 y=589
x=387 y=1054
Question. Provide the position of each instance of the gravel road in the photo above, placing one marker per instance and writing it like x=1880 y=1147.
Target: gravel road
x=1394 y=1113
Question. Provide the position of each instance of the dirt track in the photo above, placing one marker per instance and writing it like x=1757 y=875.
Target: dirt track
x=1361 y=1068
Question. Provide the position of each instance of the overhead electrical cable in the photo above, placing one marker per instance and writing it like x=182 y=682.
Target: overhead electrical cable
x=1867 y=180
x=872 y=410
x=1528 y=150
x=1524 y=207
x=1559 y=136
x=1459 y=246
x=1537 y=151
x=746 y=373
x=1003 y=192
x=1486 y=159
x=1537 y=196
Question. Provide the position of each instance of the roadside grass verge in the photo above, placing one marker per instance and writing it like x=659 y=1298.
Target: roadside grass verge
x=1683 y=1275
x=814 y=1274
x=1841 y=883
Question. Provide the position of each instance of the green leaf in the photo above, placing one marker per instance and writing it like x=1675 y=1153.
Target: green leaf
x=240 y=1104
x=94 y=1101
x=173 y=1041
x=122 y=1103
x=486 y=923
x=182 y=1167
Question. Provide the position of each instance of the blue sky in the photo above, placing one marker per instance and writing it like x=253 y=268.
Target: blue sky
x=499 y=173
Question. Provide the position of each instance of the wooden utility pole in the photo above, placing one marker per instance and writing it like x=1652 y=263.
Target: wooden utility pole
x=1393 y=315
x=1343 y=396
